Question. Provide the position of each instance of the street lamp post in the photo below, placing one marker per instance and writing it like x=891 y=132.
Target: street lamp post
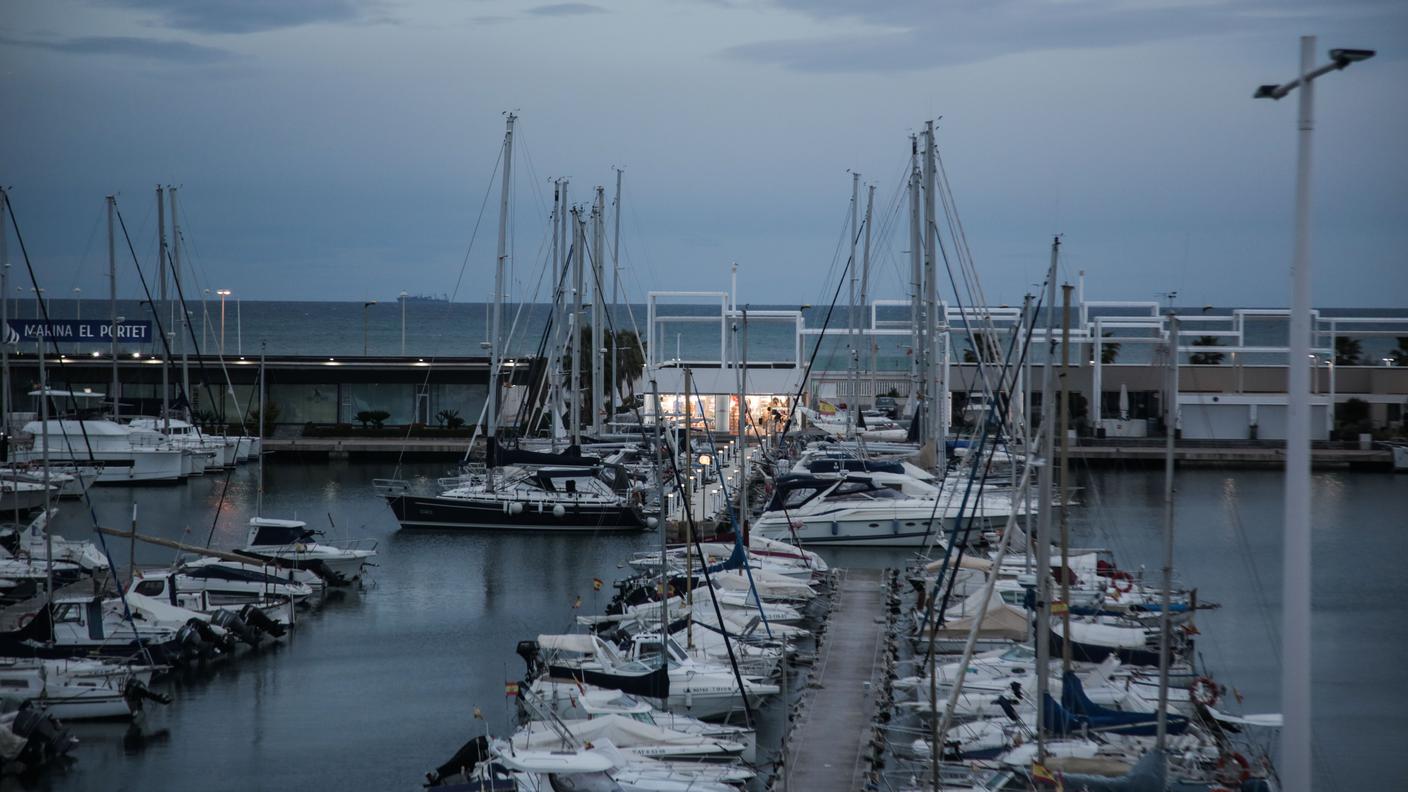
x=223 y=294
x=365 y=306
x=1295 y=769
x=78 y=317
x=239 y=329
x=205 y=321
x=403 y=323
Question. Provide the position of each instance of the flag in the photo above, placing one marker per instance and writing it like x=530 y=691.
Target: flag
x=1058 y=607
x=477 y=714
x=597 y=583
x=578 y=603
x=825 y=407
x=1046 y=777
x=510 y=688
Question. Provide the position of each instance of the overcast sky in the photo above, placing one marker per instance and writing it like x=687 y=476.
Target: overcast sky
x=342 y=149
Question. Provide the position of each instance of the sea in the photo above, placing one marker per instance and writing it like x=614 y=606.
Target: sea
x=377 y=686
x=431 y=328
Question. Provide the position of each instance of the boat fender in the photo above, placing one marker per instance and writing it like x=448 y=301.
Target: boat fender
x=558 y=511
x=1233 y=767
x=1203 y=691
x=515 y=508
x=651 y=522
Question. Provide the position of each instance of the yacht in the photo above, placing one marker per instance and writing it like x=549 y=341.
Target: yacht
x=859 y=510
x=292 y=544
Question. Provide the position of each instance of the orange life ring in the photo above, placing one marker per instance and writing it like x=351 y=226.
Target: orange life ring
x=1203 y=691
x=1233 y=767
x=1123 y=582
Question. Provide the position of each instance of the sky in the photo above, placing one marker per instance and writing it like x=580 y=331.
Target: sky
x=347 y=149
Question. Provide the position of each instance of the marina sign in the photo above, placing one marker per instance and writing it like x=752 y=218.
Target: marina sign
x=31 y=330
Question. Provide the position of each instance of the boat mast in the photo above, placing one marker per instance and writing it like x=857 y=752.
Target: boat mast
x=865 y=282
x=938 y=422
x=1165 y=626
x=495 y=353
x=562 y=339
x=554 y=355
x=742 y=358
x=851 y=312
x=578 y=239
x=688 y=509
x=112 y=304
x=916 y=289
x=598 y=339
x=1043 y=534
x=4 y=319
x=44 y=462
x=664 y=549
x=615 y=298
x=182 y=337
x=1065 y=471
x=156 y=309
x=259 y=489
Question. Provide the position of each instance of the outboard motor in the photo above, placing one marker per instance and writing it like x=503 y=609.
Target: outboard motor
x=234 y=625
x=214 y=642
x=45 y=738
x=260 y=620
x=461 y=765
x=188 y=643
x=136 y=694
x=528 y=650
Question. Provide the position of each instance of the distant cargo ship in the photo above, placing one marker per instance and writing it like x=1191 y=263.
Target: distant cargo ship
x=439 y=298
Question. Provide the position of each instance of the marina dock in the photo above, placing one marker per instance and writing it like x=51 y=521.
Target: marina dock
x=826 y=749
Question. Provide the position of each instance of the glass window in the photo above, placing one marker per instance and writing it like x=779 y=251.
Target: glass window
x=397 y=398
x=298 y=404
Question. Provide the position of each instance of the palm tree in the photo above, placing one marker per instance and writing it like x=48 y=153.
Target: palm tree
x=1347 y=351
x=1206 y=358
x=1399 y=355
x=987 y=349
x=1109 y=350
x=630 y=360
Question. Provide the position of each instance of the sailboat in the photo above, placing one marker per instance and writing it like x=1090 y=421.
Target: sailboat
x=521 y=489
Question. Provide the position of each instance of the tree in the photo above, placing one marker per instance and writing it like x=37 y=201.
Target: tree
x=377 y=418
x=1206 y=358
x=1348 y=351
x=267 y=420
x=988 y=349
x=450 y=419
x=1109 y=350
x=630 y=360
x=1399 y=354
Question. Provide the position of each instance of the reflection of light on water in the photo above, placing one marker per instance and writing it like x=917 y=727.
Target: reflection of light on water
x=1327 y=486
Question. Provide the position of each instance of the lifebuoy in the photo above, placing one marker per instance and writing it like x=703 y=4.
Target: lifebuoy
x=25 y=619
x=1203 y=691
x=1123 y=582
x=1232 y=767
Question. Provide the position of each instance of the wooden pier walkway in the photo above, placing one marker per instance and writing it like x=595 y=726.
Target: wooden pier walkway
x=826 y=747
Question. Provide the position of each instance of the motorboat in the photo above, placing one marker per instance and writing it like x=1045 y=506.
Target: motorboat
x=79 y=689
x=127 y=455
x=237 y=583
x=292 y=544
x=218 y=451
x=857 y=510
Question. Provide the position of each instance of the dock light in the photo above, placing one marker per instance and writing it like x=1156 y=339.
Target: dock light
x=95 y=354
x=137 y=355
x=705 y=460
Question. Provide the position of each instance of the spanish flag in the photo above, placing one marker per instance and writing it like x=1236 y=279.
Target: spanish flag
x=597 y=583
x=1058 y=607
x=510 y=688
x=1046 y=777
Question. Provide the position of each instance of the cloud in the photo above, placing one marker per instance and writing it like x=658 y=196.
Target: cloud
x=915 y=34
x=130 y=46
x=254 y=16
x=566 y=9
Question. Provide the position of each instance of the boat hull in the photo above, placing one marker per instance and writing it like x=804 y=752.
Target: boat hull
x=414 y=511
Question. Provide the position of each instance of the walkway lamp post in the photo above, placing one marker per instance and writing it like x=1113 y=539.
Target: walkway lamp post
x=1295 y=770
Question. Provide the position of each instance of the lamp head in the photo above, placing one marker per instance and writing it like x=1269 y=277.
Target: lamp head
x=1344 y=57
x=1267 y=92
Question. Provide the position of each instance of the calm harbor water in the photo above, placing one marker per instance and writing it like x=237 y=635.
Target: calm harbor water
x=377 y=686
